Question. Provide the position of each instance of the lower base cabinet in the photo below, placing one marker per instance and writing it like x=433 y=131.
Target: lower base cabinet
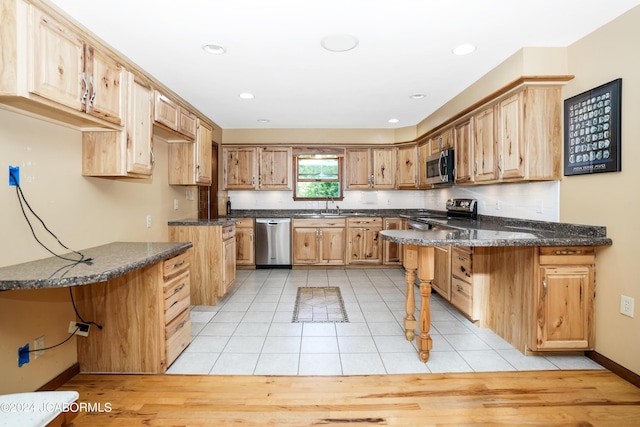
x=213 y=267
x=144 y=315
x=318 y=241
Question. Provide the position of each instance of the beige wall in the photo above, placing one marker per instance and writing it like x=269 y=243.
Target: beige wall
x=610 y=199
x=82 y=212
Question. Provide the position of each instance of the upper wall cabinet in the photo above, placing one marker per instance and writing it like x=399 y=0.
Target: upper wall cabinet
x=49 y=71
x=463 y=142
x=190 y=163
x=407 y=166
x=175 y=118
x=257 y=168
x=371 y=168
x=126 y=153
x=442 y=141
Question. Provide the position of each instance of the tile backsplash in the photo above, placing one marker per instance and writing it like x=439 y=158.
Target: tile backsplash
x=536 y=200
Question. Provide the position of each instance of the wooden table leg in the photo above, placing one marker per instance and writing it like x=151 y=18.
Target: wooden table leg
x=410 y=263
x=425 y=276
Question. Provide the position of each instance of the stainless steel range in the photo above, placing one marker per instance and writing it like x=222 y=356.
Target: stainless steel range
x=464 y=209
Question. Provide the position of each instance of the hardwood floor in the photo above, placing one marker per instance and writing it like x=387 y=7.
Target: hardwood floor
x=548 y=398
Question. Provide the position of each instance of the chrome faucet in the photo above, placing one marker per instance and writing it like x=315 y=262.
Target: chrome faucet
x=326 y=206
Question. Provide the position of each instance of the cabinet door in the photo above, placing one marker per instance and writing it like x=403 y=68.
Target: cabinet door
x=239 y=168
x=565 y=305
x=165 y=111
x=464 y=152
x=204 y=139
x=306 y=246
x=442 y=273
x=56 y=62
x=391 y=251
x=187 y=123
x=442 y=141
x=245 y=250
x=484 y=145
x=228 y=266
x=384 y=164
x=424 y=151
x=107 y=86
x=139 y=127
x=407 y=163
x=332 y=245
x=511 y=162
x=364 y=245
x=275 y=168
x=357 y=169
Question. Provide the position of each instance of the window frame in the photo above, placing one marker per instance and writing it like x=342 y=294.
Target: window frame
x=296 y=159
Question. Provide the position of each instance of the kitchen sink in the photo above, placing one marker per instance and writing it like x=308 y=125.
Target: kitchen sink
x=320 y=215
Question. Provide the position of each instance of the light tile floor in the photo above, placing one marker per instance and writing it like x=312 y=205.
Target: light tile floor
x=250 y=332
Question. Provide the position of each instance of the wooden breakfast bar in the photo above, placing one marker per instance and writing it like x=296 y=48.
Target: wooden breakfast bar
x=533 y=281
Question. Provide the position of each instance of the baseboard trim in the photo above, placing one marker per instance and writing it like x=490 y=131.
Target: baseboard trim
x=61 y=378
x=614 y=367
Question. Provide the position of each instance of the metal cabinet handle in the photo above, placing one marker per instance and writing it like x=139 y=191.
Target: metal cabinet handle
x=565 y=252
x=93 y=91
x=178 y=289
x=544 y=288
x=500 y=164
x=251 y=235
x=178 y=264
x=83 y=100
x=153 y=157
x=459 y=288
x=180 y=326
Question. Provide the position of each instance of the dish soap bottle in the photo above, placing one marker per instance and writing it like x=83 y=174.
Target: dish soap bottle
x=228 y=206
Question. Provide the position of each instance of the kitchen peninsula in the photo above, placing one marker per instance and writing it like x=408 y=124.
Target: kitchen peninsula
x=533 y=282
x=137 y=292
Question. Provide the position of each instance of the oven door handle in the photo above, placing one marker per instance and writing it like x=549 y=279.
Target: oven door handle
x=440 y=169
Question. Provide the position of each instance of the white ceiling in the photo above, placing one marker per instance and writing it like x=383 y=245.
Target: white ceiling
x=274 y=51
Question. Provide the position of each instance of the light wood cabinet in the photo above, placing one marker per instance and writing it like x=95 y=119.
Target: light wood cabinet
x=408 y=167
x=261 y=168
x=190 y=163
x=239 y=168
x=172 y=116
x=51 y=71
x=442 y=141
x=391 y=251
x=564 y=299
x=484 y=137
x=442 y=273
x=245 y=245
x=145 y=318
x=370 y=168
x=424 y=151
x=127 y=153
x=463 y=140
x=462 y=287
x=274 y=168
x=213 y=262
x=318 y=241
x=363 y=240
x=511 y=157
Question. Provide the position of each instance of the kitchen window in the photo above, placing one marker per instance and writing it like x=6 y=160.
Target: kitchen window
x=318 y=177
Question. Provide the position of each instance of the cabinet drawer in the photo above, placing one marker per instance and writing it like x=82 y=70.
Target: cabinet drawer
x=461 y=265
x=462 y=295
x=228 y=232
x=176 y=265
x=176 y=296
x=365 y=222
x=567 y=255
x=244 y=223
x=178 y=336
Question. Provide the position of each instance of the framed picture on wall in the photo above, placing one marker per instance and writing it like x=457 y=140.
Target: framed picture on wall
x=592 y=130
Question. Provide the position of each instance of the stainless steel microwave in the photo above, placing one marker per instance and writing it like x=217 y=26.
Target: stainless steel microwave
x=440 y=168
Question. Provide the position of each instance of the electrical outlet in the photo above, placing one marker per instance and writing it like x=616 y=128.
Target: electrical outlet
x=176 y=204
x=626 y=305
x=79 y=328
x=14 y=176
x=23 y=355
x=38 y=346
x=148 y=221
x=498 y=205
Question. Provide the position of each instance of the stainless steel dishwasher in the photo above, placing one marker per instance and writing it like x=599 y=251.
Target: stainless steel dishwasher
x=273 y=242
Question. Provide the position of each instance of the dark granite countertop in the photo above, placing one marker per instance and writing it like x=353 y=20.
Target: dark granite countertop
x=489 y=231
x=213 y=221
x=109 y=261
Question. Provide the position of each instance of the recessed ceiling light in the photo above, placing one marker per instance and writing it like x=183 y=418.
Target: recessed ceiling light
x=393 y=121
x=464 y=49
x=263 y=120
x=246 y=95
x=214 y=49
x=417 y=96
x=339 y=42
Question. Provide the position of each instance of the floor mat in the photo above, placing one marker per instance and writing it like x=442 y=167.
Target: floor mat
x=319 y=305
